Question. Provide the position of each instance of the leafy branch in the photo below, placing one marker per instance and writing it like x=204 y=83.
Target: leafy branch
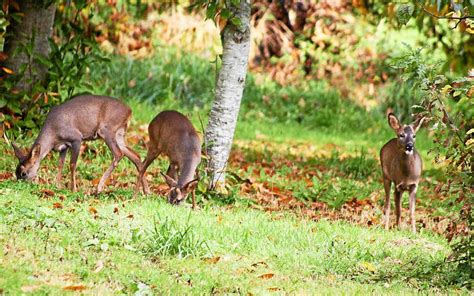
x=458 y=18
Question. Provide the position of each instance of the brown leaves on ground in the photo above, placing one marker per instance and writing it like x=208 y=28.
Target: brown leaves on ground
x=365 y=211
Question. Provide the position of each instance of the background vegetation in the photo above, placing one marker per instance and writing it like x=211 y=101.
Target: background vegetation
x=304 y=192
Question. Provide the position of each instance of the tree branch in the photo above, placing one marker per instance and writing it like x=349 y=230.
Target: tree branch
x=458 y=18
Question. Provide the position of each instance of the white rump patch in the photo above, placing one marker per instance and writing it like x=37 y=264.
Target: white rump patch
x=120 y=137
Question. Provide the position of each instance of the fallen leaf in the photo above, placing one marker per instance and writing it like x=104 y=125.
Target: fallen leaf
x=57 y=205
x=116 y=210
x=266 y=276
x=212 y=260
x=369 y=266
x=273 y=289
x=75 y=288
x=96 y=181
x=6 y=175
x=47 y=192
x=92 y=210
x=7 y=70
x=3 y=56
x=262 y=263
x=130 y=216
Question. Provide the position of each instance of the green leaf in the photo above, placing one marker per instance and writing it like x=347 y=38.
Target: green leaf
x=236 y=21
x=404 y=13
x=3 y=103
x=225 y=13
x=211 y=11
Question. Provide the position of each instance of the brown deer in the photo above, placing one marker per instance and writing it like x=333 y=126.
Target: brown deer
x=83 y=118
x=173 y=135
x=402 y=165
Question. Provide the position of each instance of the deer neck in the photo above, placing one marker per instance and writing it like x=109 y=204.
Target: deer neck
x=45 y=140
x=187 y=173
x=408 y=162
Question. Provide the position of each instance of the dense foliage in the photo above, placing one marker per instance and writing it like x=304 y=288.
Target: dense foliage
x=448 y=105
x=73 y=50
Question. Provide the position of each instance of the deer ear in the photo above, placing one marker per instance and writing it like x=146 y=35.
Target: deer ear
x=35 y=151
x=191 y=185
x=170 y=181
x=19 y=153
x=418 y=123
x=393 y=121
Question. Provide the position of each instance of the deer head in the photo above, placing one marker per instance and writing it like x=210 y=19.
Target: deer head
x=28 y=162
x=178 y=194
x=406 y=134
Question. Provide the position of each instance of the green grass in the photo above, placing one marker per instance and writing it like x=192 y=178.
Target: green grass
x=129 y=243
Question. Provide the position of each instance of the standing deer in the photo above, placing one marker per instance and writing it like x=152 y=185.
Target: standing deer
x=82 y=118
x=402 y=165
x=173 y=135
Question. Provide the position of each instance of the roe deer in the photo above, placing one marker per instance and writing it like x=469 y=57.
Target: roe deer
x=82 y=118
x=402 y=165
x=173 y=135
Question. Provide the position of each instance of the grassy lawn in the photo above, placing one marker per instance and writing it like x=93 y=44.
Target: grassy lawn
x=55 y=241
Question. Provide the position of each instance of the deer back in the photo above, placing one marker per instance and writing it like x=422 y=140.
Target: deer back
x=174 y=135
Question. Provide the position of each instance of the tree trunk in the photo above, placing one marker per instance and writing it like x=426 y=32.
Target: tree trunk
x=229 y=89
x=37 y=23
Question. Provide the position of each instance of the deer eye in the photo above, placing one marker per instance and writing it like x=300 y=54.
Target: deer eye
x=414 y=136
x=23 y=174
x=402 y=136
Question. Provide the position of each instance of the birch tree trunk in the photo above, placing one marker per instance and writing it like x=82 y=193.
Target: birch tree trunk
x=37 y=21
x=229 y=89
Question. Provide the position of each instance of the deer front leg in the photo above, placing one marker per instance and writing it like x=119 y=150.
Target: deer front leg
x=150 y=157
x=412 y=207
x=62 y=157
x=387 y=184
x=75 y=149
x=398 y=206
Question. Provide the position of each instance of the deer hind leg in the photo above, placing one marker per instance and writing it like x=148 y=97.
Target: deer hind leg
x=412 y=201
x=62 y=157
x=398 y=206
x=127 y=151
x=117 y=156
x=75 y=150
x=387 y=184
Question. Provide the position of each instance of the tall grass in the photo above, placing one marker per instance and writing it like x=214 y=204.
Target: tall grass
x=174 y=79
x=167 y=238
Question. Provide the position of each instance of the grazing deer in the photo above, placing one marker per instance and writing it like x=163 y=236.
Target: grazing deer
x=173 y=135
x=402 y=165
x=82 y=118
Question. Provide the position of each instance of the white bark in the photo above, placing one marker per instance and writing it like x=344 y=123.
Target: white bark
x=229 y=89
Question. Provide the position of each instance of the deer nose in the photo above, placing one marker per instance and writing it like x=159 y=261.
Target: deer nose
x=409 y=147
